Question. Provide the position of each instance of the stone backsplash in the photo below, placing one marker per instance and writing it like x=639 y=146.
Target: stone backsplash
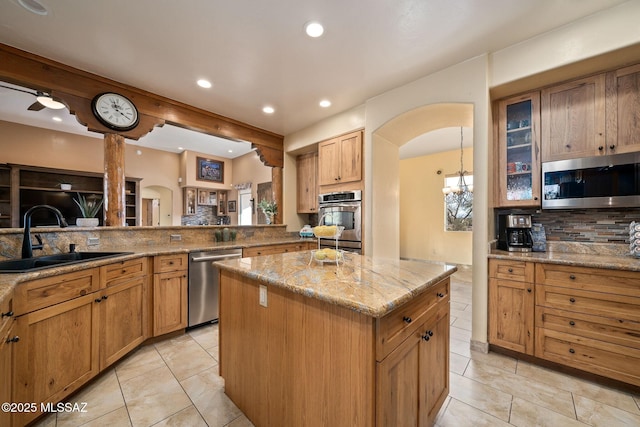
x=57 y=240
x=588 y=225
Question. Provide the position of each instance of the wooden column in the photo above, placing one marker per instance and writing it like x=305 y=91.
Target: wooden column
x=276 y=192
x=114 y=181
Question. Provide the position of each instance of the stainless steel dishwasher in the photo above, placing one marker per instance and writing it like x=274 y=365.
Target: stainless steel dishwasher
x=204 y=286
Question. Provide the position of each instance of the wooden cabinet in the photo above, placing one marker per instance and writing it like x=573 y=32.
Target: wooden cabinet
x=589 y=318
x=307 y=183
x=518 y=152
x=573 y=119
x=413 y=380
x=622 y=105
x=7 y=340
x=5 y=197
x=123 y=309
x=340 y=159
x=511 y=305
x=278 y=249
x=170 y=304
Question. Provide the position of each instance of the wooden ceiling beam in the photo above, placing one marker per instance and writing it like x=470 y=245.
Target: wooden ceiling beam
x=76 y=88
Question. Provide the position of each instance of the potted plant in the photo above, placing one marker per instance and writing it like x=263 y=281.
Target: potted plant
x=269 y=208
x=89 y=208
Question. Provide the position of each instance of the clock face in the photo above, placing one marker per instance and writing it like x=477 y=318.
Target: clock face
x=115 y=111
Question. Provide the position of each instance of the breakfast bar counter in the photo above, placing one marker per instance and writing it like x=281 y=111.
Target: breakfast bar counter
x=363 y=341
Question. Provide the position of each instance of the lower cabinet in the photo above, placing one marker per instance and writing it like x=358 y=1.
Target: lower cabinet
x=170 y=299
x=8 y=339
x=413 y=381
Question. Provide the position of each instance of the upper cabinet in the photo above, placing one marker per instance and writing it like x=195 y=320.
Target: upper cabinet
x=518 y=151
x=307 y=183
x=623 y=110
x=573 y=120
x=340 y=159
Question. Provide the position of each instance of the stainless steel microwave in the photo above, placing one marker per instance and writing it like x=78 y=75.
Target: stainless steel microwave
x=592 y=182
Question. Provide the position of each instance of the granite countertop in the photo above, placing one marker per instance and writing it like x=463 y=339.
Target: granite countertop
x=10 y=280
x=613 y=260
x=368 y=285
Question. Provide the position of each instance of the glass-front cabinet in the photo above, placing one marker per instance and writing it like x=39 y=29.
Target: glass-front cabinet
x=518 y=181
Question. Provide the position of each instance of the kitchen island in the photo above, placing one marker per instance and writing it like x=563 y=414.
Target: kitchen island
x=362 y=342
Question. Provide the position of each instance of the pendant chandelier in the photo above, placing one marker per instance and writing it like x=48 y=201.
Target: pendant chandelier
x=461 y=187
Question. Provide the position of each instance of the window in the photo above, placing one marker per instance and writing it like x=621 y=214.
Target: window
x=458 y=206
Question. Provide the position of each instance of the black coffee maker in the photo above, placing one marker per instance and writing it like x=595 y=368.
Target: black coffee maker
x=514 y=233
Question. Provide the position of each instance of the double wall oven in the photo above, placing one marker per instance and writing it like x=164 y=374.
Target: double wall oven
x=343 y=209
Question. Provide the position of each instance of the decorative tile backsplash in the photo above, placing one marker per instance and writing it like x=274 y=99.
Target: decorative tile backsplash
x=588 y=225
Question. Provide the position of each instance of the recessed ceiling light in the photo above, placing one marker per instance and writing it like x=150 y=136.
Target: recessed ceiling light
x=230 y=151
x=56 y=119
x=268 y=110
x=34 y=6
x=325 y=103
x=204 y=83
x=180 y=148
x=314 y=29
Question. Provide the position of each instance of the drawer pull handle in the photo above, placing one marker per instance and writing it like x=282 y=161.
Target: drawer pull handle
x=572 y=351
x=440 y=294
x=430 y=333
x=98 y=300
x=407 y=319
x=572 y=299
x=14 y=339
x=7 y=314
x=572 y=277
x=104 y=297
x=529 y=290
x=572 y=323
x=510 y=270
x=426 y=337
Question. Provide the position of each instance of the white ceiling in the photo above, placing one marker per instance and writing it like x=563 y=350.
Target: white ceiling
x=255 y=52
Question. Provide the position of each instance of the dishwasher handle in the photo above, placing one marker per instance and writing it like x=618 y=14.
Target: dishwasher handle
x=215 y=257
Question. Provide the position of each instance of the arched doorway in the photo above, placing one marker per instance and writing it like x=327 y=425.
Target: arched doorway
x=156 y=206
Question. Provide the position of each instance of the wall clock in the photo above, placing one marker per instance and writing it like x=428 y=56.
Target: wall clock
x=115 y=111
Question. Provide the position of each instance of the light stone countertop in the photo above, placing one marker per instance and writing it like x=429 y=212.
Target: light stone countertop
x=371 y=286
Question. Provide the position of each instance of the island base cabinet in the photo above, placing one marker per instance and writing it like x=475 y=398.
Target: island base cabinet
x=412 y=380
x=6 y=360
x=57 y=353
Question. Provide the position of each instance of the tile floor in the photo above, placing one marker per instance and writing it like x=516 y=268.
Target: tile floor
x=176 y=383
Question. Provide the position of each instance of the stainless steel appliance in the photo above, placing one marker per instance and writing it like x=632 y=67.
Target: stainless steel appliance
x=344 y=209
x=204 y=286
x=592 y=182
x=514 y=233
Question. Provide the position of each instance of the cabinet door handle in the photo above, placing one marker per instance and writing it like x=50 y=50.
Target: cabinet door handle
x=572 y=351
x=510 y=270
x=572 y=323
x=104 y=297
x=612 y=147
x=529 y=290
x=572 y=277
x=7 y=314
x=572 y=299
x=98 y=300
x=440 y=294
x=430 y=333
x=600 y=148
x=425 y=337
x=14 y=339
x=407 y=319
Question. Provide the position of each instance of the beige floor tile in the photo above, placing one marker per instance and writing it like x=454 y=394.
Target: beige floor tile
x=102 y=396
x=443 y=409
x=526 y=414
x=480 y=396
x=459 y=414
x=531 y=390
x=117 y=418
x=577 y=386
x=153 y=396
x=455 y=305
x=462 y=324
x=460 y=334
x=599 y=414
x=143 y=360
x=241 y=421
x=188 y=417
x=495 y=359
x=206 y=336
x=206 y=391
x=461 y=314
x=215 y=353
x=460 y=347
x=185 y=357
x=47 y=421
x=452 y=319
x=457 y=363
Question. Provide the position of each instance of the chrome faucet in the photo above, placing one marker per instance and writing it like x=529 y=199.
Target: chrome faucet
x=27 y=248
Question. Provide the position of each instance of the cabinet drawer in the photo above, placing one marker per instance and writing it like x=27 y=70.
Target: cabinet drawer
x=602 y=358
x=275 y=249
x=613 y=330
x=36 y=294
x=595 y=303
x=396 y=326
x=518 y=271
x=124 y=270
x=590 y=279
x=165 y=263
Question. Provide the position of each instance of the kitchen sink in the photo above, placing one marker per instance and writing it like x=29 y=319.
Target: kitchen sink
x=48 y=261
